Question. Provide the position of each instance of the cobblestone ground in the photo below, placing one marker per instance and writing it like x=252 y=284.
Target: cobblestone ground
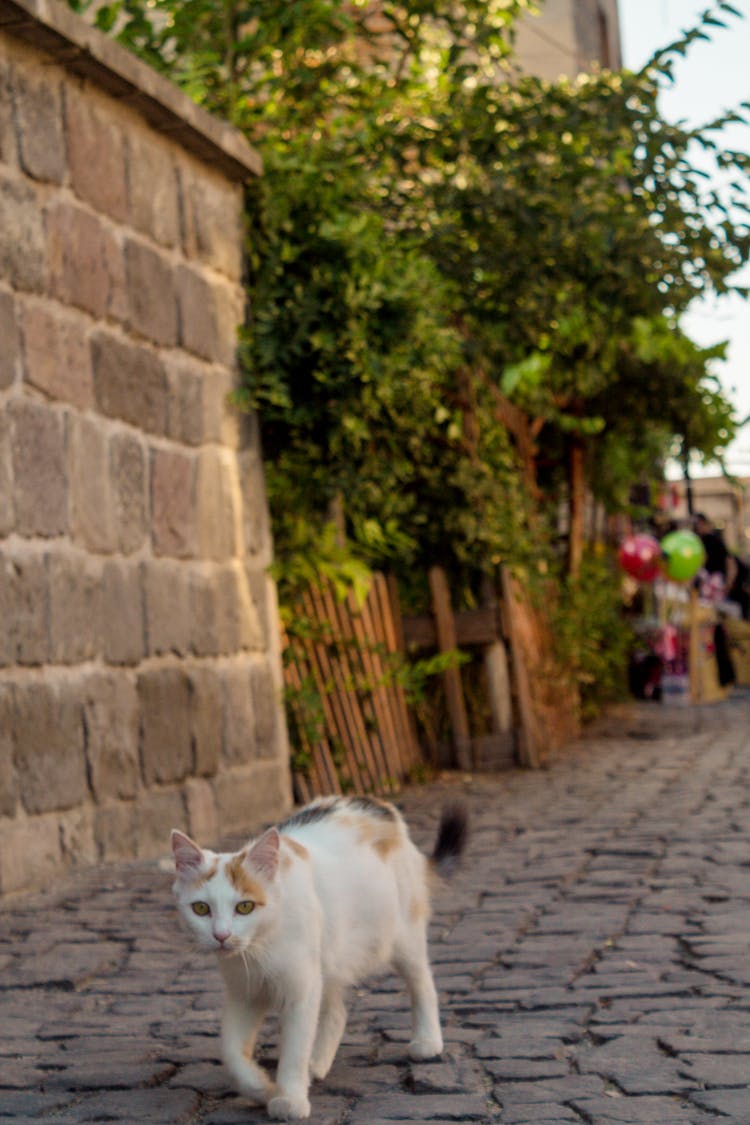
x=593 y=960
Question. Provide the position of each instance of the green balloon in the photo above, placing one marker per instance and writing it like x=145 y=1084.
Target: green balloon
x=684 y=555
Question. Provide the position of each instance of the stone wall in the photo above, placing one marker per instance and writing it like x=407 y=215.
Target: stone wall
x=139 y=663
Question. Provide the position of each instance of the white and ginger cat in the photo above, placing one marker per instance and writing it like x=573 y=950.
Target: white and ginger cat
x=333 y=894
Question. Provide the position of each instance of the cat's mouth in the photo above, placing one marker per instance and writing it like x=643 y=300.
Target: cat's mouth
x=227 y=950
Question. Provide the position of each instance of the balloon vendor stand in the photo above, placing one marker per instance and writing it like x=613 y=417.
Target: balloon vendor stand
x=686 y=646
x=679 y=628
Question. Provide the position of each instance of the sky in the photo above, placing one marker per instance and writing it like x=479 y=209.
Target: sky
x=713 y=77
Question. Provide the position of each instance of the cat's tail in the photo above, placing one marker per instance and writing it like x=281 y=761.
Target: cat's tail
x=453 y=832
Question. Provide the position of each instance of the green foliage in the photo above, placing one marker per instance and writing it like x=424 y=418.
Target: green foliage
x=315 y=557
x=592 y=636
x=432 y=229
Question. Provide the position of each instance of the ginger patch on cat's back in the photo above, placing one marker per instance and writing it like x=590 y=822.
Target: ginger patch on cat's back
x=298 y=850
x=385 y=836
x=375 y=824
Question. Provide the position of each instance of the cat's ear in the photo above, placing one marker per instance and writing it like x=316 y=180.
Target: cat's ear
x=188 y=857
x=263 y=856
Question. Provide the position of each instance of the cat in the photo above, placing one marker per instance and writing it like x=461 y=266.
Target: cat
x=297 y=916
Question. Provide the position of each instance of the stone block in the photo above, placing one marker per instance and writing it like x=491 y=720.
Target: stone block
x=77 y=844
x=9 y=350
x=85 y=261
x=154 y=189
x=37 y=436
x=76 y=607
x=267 y=704
x=173 y=503
x=8 y=141
x=166 y=743
x=152 y=301
x=213 y=212
x=246 y=626
x=49 y=740
x=127 y=489
x=111 y=716
x=230 y=302
x=56 y=353
x=30 y=853
x=123 y=639
x=97 y=154
x=203 y=822
x=239 y=745
x=205 y=631
x=238 y=628
x=23 y=254
x=262 y=593
x=393 y=1105
x=186 y=421
x=223 y=617
x=731 y=1104
x=218 y=504
x=168 y=608
x=38 y=110
x=24 y=609
x=129 y=382
x=206 y=717
x=256 y=526
x=223 y=422
x=8 y=780
x=115 y=830
x=156 y=814
x=91 y=510
x=198 y=312
x=250 y=797
x=7 y=508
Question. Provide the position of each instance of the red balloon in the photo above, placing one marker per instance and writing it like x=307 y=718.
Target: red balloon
x=640 y=557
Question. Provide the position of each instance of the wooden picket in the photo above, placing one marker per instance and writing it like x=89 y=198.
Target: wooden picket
x=547 y=702
x=345 y=652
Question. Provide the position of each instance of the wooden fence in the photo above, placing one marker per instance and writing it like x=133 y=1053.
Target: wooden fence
x=351 y=726
x=345 y=655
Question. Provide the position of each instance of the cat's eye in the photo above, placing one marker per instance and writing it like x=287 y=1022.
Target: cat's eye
x=201 y=909
x=245 y=907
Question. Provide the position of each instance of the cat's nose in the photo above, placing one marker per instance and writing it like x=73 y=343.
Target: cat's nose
x=222 y=936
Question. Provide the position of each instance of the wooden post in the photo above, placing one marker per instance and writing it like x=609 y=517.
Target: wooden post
x=694 y=650
x=446 y=634
x=498 y=688
x=528 y=738
x=498 y=748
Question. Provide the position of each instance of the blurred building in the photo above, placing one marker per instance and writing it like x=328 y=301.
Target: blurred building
x=570 y=36
x=726 y=503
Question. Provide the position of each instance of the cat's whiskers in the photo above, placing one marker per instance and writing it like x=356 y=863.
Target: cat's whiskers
x=243 y=955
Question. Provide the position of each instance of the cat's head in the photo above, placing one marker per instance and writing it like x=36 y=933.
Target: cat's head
x=228 y=901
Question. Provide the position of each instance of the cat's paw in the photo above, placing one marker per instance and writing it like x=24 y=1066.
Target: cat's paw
x=256 y=1085
x=426 y=1047
x=318 y=1070
x=321 y=1064
x=285 y=1108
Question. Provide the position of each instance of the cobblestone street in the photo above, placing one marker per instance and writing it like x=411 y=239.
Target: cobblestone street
x=593 y=960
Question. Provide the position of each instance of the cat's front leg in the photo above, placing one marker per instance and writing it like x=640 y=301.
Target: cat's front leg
x=330 y=1030
x=299 y=1020
x=240 y=1026
x=427 y=1040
